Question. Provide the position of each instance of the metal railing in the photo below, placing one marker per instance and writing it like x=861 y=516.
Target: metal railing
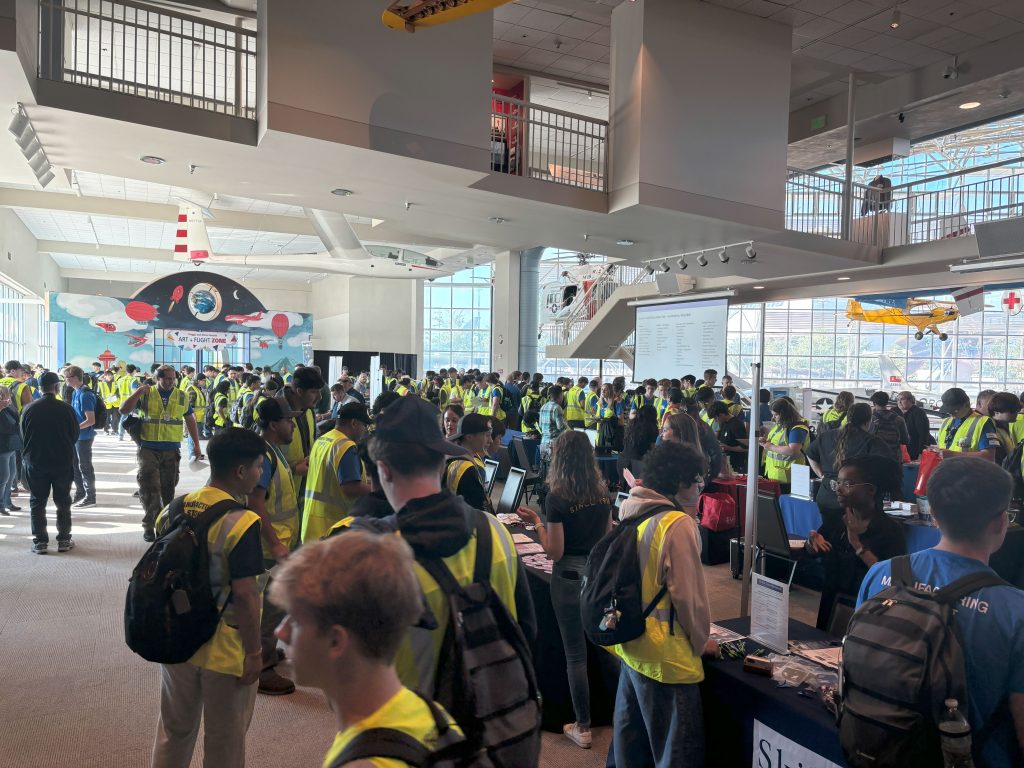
x=126 y=47
x=544 y=143
x=595 y=296
x=917 y=212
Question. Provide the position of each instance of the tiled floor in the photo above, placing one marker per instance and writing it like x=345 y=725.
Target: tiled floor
x=75 y=695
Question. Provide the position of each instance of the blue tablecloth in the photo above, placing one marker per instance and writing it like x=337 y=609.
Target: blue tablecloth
x=532 y=446
x=800 y=516
x=909 y=480
x=920 y=536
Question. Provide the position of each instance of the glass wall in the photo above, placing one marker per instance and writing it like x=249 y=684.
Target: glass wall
x=811 y=342
x=12 y=325
x=47 y=339
x=457 y=320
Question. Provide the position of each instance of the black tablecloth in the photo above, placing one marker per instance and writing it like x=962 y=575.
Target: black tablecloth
x=733 y=699
x=549 y=662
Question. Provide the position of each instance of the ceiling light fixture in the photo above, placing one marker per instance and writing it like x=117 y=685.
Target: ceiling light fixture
x=970 y=105
x=842 y=278
x=25 y=135
x=894 y=23
x=648 y=269
x=702 y=260
x=723 y=256
x=18 y=124
x=341 y=192
x=681 y=263
x=497 y=219
x=664 y=266
x=152 y=160
x=758 y=287
x=751 y=253
x=625 y=242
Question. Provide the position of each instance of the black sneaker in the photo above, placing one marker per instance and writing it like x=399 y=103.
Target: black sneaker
x=4 y=512
x=12 y=508
x=65 y=546
x=84 y=503
x=148 y=536
x=40 y=547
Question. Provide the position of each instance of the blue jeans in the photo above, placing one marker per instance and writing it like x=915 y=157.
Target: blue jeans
x=8 y=472
x=566 y=580
x=657 y=725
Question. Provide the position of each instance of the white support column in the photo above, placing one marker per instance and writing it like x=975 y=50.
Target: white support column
x=505 y=313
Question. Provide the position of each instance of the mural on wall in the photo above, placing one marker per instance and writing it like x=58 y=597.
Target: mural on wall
x=181 y=318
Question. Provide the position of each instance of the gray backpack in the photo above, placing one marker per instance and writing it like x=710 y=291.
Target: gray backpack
x=902 y=658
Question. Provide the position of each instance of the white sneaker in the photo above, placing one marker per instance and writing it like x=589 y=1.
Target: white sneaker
x=581 y=736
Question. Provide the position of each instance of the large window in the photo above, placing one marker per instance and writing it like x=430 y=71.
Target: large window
x=457 y=320
x=47 y=339
x=810 y=342
x=12 y=324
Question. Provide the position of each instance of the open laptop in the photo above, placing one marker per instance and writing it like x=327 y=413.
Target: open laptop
x=490 y=474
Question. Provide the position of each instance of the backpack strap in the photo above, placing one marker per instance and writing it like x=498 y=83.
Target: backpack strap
x=388 y=743
x=484 y=546
x=966 y=585
x=902 y=573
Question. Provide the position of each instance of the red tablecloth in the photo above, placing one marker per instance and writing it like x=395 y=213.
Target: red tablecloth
x=737 y=488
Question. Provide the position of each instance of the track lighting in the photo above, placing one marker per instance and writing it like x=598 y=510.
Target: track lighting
x=894 y=23
x=648 y=269
x=45 y=179
x=723 y=256
x=702 y=260
x=751 y=253
x=18 y=124
x=664 y=266
x=39 y=164
x=681 y=263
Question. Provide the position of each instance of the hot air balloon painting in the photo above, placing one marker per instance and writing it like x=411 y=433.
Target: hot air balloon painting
x=176 y=294
x=279 y=325
x=140 y=311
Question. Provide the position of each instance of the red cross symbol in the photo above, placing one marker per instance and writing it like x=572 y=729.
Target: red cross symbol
x=1012 y=302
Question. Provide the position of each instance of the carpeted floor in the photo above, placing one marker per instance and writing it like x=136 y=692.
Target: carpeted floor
x=74 y=693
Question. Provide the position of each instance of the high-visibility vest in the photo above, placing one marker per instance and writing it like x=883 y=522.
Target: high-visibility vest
x=325 y=502
x=776 y=465
x=200 y=404
x=495 y=391
x=660 y=406
x=689 y=391
x=297 y=449
x=183 y=383
x=125 y=386
x=457 y=469
x=590 y=403
x=402 y=390
x=16 y=397
x=162 y=423
x=109 y=394
x=573 y=404
x=224 y=652
x=282 y=505
x=967 y=438
x=1017 y=429
x=221 y=403
x=484 y=401
x=833 y=418
x=469 y=400
x=735 y=409
x=7 y=381
x=663 y=652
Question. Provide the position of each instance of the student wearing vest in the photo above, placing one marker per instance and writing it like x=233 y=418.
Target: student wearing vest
x=126 y=385
x=342 y=636
x=658 y=717
x=409 y=450
x=300 y=397
x=464 y=475
x=218 y=684
x=336 y=479
x=965 y=432
x=835 y=417
x=705 y=397
x=689 y=385
x=220 y=401
x=275 y=502
x=731 y=398
x=643 y=397
x=494 y=394
x=710 y=378
x=1003 y=409
x=591 y=400
x=21 y=393
x=969 y=497
x=107 y=392
x=195 y=391
x=786 y=442
x=164 y=409
x=575 y=409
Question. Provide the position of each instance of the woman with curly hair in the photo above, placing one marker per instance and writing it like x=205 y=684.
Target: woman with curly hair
x=578 y=515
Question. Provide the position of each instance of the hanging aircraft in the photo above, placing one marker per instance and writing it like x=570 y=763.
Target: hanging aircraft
x=924 y=314
x=410 y=15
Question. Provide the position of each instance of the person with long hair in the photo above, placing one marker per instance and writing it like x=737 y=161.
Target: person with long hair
x=609 y=420
x=835 y=417
x=642 y=434
x=863 y=535
x=453 y=412
x=785 y=442
x=834 y=446
x=1003 y=408
x=578 y=515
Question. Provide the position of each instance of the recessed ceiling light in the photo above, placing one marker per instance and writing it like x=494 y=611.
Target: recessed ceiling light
x=625 y=242
x=341 y=192
x=970 y=105
x=152 y=160
x=497 y=219
x=758 y=287
x=894 y=22
x=842 y=278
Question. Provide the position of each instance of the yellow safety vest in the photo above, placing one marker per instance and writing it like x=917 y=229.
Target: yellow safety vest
x=660 y=406
x=573 y=409
x=483 y=405
x=735 y=409
x=776 y=465
x=281 y=503
x=690 y=392
x=296 y=451
x=1017 y=429
x=7 y=381
x=402 y=390
x=705 y=418
x=221 y=403
x=184 y=383
x=325 y=503
x=109 y=394
x=967 y=438
x=124 y=386
x=200 y=404
x=831 y=416
x=162 y=423
x=662 y=653
x=591 y=403
x=223 y=652
x=495 y=391
x=16 y=389
x=458 y=467
x=469 y=400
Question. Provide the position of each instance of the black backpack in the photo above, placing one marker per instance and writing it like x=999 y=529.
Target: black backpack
x=902 y=658
x=171 y=609
x=100 y=413
x=611 y=597
x=451 y=751
x=485 y=677
x=1012 y=464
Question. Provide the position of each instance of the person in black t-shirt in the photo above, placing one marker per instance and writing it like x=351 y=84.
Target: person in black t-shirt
x=863 y=535
x=732 y=434
x=578 y=515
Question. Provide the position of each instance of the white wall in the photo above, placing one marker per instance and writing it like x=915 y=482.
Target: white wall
x=23 y=264
x=505 y=322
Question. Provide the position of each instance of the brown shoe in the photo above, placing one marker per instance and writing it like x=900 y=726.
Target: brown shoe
x=274 y=684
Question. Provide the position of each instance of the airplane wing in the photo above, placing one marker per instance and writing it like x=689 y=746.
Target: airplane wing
x=969 y=301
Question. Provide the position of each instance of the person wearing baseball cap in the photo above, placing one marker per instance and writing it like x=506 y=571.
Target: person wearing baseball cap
x=965 y=432
x=464 y=475
x=336 y=478
x=409 y=450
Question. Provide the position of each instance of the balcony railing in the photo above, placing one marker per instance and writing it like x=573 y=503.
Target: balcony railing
x=918 y=212
x=543 y=143
x=134 y=49
x=563 y=329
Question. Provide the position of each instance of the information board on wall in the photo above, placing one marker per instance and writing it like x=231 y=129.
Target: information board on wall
x=679 y=338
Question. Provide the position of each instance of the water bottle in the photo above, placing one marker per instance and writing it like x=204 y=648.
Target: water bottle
x=955 y=733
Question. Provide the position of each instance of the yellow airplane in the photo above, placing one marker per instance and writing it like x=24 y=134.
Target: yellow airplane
x=410 y=15
x=923 y=314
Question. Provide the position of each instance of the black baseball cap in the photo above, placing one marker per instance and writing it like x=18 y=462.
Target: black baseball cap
x=354 y=412
x=48 y=379
x=414 y=420
x=954 y=398
x=270 y=410
x=472 y=424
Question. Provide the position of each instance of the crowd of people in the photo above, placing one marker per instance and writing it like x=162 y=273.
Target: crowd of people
x=317 y=473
